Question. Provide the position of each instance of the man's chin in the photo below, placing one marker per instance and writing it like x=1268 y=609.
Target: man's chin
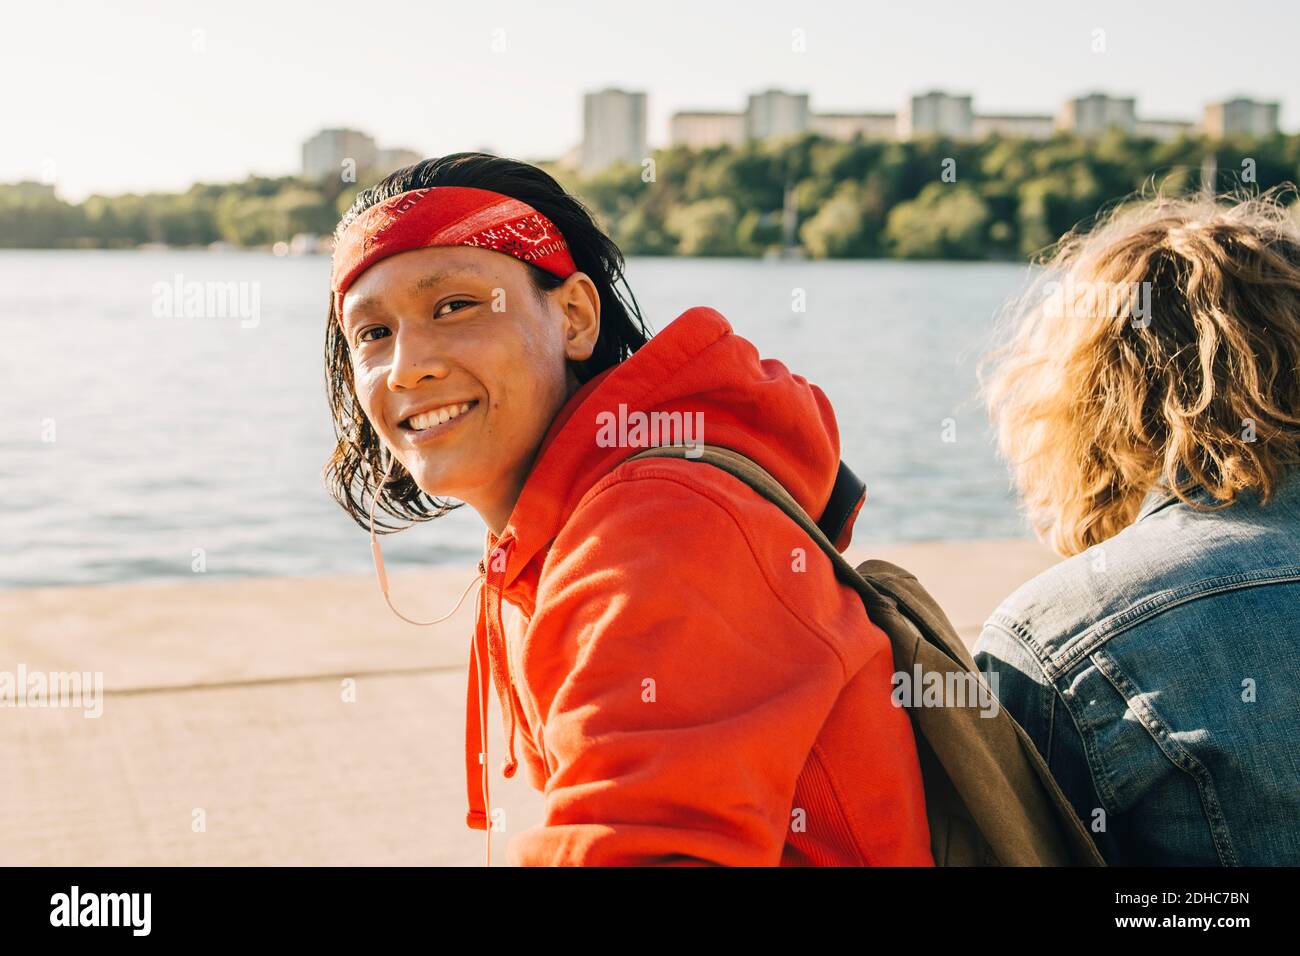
x=440 y=485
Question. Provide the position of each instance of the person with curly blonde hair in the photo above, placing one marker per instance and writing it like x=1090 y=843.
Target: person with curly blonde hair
x=1147 y=399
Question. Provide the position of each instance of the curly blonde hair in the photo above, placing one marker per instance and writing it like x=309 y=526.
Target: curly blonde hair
x=1161 y=347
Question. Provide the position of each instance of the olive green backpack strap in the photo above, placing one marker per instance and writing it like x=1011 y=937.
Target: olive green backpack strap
x=990 y=798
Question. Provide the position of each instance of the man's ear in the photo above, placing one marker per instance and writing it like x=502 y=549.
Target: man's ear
x=580 y=302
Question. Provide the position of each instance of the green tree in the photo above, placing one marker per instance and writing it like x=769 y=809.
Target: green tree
x=641 y=233
x=839 y=227
x=946 y=221
x=758 y=232
x=705 y=228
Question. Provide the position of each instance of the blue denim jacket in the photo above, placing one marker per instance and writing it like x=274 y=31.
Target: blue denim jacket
x=1159 y=675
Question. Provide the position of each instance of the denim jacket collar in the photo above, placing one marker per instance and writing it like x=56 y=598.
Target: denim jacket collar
x=1156 y=499
x=1161 y=497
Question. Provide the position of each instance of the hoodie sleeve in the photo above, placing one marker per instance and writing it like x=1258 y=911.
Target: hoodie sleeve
x=679 y=696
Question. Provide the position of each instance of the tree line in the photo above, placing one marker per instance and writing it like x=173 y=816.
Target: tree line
x=928 y=198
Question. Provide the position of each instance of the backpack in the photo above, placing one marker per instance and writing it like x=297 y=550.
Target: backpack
x=990 y=798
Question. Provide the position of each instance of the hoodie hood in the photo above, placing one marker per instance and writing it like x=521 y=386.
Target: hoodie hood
x=697 y=364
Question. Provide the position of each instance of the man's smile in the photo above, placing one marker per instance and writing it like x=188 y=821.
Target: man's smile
x=435 y=420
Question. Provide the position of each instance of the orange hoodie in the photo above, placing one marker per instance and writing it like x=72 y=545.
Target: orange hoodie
x=690 y=682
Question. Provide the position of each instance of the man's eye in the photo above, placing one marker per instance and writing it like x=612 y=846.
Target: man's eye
x=365 y=334
x=452 y=302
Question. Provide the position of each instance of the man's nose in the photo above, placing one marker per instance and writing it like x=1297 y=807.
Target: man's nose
x=417 y=356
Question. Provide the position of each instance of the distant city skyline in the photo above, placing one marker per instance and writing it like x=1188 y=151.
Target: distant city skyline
x=153 y=96
x=614 y=127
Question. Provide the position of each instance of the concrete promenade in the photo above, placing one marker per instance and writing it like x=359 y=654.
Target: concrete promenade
x=224 y=706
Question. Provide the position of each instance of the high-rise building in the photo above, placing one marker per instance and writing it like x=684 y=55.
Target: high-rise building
x=613 y=129
x=325 y=153
x=1015 y=126
x=848 y=125
x=774 y=113
x=1093 y=114
x=703 y=129
x=936 y=114
x=29 y=189
x=390 y=160
x=1240 y=117
x=1163 y=129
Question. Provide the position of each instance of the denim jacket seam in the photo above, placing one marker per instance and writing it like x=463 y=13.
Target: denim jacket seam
x=1057 y=664
x=1046 y=705
x=1051 y=723
x=1101 y=784
x=1173 y=751
x=1017 y=630
x=1053 y=696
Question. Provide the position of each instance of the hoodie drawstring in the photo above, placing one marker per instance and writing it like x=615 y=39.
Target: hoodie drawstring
x=487 y=654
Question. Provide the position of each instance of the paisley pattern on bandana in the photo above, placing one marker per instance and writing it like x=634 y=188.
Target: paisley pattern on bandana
x=529 y=238
x=447 y=216
x=390 y=213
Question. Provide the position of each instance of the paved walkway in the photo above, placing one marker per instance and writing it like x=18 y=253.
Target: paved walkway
x=291 y=721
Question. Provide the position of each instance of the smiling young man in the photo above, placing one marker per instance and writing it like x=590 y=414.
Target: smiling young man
x=690 y=682
x=451 y=389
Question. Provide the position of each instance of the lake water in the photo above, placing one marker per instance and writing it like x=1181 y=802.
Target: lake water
x=129 y=440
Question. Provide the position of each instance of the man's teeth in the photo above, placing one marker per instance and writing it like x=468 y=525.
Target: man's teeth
x=437 y=416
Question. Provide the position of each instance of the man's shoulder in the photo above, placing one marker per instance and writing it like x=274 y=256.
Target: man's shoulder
x=674 y=495
x=668 y=518
x=1092 y=589
x=1173 y=555
x=1049 y=610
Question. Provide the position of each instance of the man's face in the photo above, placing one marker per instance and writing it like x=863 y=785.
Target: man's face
x=460 y=367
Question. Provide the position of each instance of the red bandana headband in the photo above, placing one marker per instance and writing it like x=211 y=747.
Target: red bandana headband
x=447 y=216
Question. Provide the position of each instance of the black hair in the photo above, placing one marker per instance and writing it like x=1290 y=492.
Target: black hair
x=355 y=467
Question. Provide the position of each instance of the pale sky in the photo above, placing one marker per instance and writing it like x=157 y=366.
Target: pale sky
x=138 y=96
